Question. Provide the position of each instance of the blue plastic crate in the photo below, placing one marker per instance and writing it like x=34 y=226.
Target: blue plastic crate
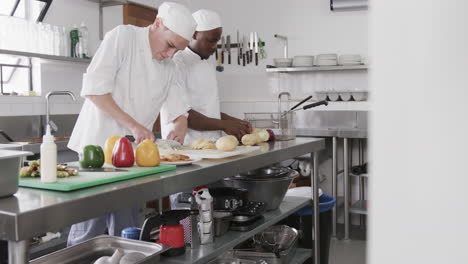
x=327 y=202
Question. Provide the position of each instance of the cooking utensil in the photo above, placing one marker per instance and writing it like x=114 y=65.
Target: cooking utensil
x=301 y=102
x=319 y=103
x=228 y=46
x=246 y=49
x=275 y=245
x=223 y=47
x=222 y=221
x=256 y=47
x=10 y=162
x=97 y=169
x=91 y=250
x=270 y=190
x=251 y=46
x=226 y=198
x=239 y=51
x=171 y=232
x=219 y=64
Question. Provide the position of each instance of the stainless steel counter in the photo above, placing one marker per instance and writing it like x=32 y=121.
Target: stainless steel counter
x=31 y=212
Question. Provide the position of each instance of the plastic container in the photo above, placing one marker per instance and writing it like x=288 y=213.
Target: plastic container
x=48 y=158
x=302 y=220
x=131 y=233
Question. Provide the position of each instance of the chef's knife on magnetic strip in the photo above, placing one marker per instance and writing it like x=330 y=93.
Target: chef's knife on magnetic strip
x=256 y=47
x=228 y=46
x=223 y=46
x=239 y=52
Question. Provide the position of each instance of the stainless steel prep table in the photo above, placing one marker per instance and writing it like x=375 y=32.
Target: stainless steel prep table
x=345 y=134
x=31 y=212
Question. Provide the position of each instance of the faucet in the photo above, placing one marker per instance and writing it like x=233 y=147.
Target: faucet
x=285 y=44
x=48 y=95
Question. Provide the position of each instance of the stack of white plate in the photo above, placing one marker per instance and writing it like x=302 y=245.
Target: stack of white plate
x=349 y=59
x=326 y=59
x=303 y=61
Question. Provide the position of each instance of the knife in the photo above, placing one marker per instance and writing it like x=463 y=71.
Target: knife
x=251 y=46
x=239 y=52
x=246 y=50
x=132 y=139
x=223 y=46
x=242 y=50
x=228 y=46
x=97 y=169
x=256 y=47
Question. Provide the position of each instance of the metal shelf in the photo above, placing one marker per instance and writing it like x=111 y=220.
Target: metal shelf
x=319 y=68
x=302 y=254
x=208 y=252
x=44 y=56
x=359 y=175
x=359 y=207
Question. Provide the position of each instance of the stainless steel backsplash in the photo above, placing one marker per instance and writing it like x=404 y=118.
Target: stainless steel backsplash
x=26 y=127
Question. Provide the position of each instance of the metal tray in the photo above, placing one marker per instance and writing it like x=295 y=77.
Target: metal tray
x=89 y=251
x=284 y=257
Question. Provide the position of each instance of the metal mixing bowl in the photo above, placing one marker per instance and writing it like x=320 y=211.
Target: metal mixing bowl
x=270 y=190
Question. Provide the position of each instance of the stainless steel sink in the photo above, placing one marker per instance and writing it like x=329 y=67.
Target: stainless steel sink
x=90 y=250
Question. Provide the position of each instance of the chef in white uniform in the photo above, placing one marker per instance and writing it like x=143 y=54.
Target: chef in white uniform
x=129 y=80
x=205 y=118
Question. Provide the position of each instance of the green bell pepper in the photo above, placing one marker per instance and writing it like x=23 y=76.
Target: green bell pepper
x=93 y=157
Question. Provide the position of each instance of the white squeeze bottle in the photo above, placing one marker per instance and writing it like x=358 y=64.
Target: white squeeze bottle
x=48 y=157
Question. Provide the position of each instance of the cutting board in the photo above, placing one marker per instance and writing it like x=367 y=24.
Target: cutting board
x=89 y=179
x=217 y=154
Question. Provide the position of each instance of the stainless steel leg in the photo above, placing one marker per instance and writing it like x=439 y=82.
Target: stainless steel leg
x=346 y=187
x=160 y=205
x=316 y=203
x=18 y=252
x=334 y=185
x=361 y=182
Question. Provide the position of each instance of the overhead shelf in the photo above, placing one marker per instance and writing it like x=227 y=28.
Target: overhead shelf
x=319 y=68
x=44 y=56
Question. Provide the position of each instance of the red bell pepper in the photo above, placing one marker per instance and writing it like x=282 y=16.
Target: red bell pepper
x=122 y=154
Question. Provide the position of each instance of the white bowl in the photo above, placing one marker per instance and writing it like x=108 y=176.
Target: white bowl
x=333 y=96
x=321 y=95
x=345 y=96
x=326 y=62
x=359 y=95
x=283 y=62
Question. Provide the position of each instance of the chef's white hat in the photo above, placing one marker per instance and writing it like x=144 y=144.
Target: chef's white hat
x=178 y=19
x=206 y=20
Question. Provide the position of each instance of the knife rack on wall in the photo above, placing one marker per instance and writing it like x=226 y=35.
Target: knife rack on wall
x=235 y=45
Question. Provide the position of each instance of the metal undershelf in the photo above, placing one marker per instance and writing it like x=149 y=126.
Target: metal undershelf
x=302 y=254
x=208 y=252
x=359 y=207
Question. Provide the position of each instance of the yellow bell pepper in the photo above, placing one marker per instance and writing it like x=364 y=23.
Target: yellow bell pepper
x=147 y=154
x=108 y=147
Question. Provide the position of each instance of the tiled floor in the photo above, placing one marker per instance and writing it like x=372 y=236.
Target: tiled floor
x=351 y=251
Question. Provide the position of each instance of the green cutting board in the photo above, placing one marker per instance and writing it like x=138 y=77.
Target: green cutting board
x=89 y=179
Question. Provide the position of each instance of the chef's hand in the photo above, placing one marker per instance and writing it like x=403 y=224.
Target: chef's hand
x=237 y=127
x=141 y=133
x=180 y=129
x=173 y=135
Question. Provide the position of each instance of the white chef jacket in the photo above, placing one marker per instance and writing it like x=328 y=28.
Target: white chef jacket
x=202 y=92
x=124 y=67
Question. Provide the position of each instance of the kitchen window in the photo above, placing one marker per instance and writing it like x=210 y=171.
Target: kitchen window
x=16 y=18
